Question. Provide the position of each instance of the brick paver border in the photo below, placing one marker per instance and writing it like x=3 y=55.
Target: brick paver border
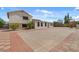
x=64 y=45
x=17 y=44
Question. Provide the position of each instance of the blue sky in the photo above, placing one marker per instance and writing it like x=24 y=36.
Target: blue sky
x=44 y=13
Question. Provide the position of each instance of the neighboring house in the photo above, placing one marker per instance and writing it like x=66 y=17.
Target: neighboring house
x=38 y=24
x=22 y=18
x=77 y=24
x=72 y=23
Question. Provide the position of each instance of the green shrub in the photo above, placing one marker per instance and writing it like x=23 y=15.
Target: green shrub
x=14 y=26
x=30 y=25
x=77 y=22
x=66 y=25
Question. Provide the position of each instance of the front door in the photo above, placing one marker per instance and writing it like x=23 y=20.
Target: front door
x=24 y=25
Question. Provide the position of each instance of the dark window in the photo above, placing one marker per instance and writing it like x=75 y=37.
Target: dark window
x=8 y=15
x=38 y=24
x=41 y=24
x=45 y=23
x=24 y=25
x=25 y=18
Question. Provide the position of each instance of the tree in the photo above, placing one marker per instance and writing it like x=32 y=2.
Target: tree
x=67 y=18
x=65 y=21
x=2 y=22
x=70 y=18
x=77 y=22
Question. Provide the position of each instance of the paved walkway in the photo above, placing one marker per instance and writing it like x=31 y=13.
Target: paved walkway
x=56 y=39
x=11 y=41
x=45 y=39
x=17 y=44
x=70 y=43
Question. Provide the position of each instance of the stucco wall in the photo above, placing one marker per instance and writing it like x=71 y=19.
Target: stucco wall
x=41 y=27
x=77 y=25
x=17 y=17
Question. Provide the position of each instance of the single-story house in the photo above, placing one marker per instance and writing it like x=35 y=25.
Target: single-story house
x=77 y=24
x=38 y=24
x=22 y=18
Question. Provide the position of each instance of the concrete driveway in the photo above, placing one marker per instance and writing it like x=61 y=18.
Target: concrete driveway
x=45 y=39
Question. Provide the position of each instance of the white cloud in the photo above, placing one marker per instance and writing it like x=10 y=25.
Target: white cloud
x=76 y=18
x=44 y=15
x=44 y=11
x=77 y=8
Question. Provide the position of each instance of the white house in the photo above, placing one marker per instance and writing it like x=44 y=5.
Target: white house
x=22 y=18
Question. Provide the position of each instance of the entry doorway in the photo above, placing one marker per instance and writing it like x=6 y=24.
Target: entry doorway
x=24 y=25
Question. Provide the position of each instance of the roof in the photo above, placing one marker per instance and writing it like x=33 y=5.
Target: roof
x=41 y=20
x=36 y=19
x=19 y=11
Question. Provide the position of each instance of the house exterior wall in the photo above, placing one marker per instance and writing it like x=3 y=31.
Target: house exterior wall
x=39 y=27
x=77 y=25
x=48 y=24
x=17 y=17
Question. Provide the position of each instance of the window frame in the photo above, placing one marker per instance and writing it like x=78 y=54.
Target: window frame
x=25 y=18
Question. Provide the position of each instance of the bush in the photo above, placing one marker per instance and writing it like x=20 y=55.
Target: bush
x=14 y=26
x=30 y=25
x=77 y=22
x=66 y=25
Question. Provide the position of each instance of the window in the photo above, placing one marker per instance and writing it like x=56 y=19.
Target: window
x=45 y=23
x=41 y=24
x=38 y=24
x=25 y=18
x=24 y=25
x=8 y=15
